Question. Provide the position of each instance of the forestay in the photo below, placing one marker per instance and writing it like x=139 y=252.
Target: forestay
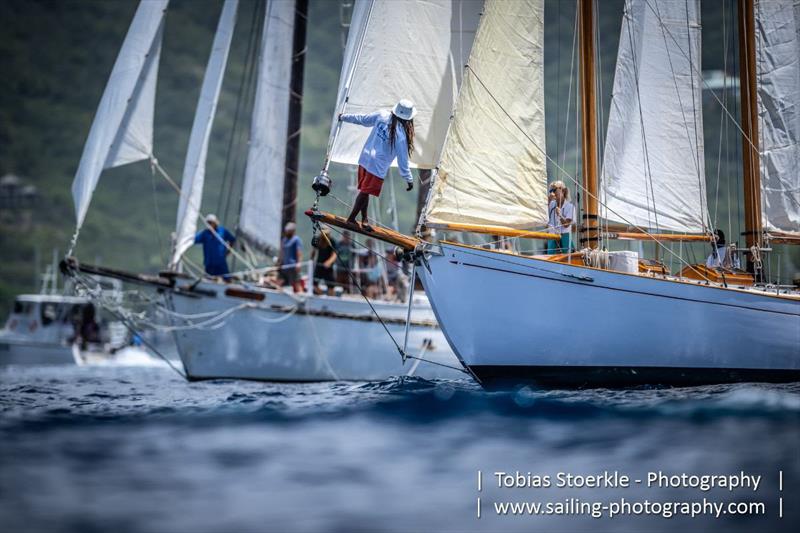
x=122 y=130
x=411 y=49
x=262 y=197
x=194 y=169
x=493 y=168
x=653 y=169
x=778 y=60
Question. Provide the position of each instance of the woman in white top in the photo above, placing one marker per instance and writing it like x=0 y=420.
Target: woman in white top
x=561 y=217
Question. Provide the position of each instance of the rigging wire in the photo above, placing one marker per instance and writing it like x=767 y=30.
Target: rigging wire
x=693 y=146
x=575 y=181
x=403 y=355
x=158 y=217
x=650 y=194
x=155 y=164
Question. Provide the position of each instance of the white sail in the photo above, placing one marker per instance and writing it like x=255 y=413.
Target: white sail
x=262 y=198
x=194 y=169
x=493 y=169
x=778 y=60
x=653 y=169
x=122 y=130
x=410 y=49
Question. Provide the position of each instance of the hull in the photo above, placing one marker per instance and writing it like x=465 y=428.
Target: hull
x=269 y=335
x=30 y=353
x=514 y=320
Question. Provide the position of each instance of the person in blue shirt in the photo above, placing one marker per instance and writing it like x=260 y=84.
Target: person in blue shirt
x=216 y=241
x=392 y=136
x=290 y=257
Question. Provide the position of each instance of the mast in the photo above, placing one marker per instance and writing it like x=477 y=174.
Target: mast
x=750 y=159
x=295 y=112
x=589 y=228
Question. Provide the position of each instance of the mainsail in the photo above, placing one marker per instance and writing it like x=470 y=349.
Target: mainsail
x=262 y=197
x=778 y=69
x=410 y=49
x=653 y=170
x=493 y=168
x=194 y=169
x=122 y=130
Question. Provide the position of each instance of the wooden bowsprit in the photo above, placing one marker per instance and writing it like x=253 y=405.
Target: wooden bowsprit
x=406 y=242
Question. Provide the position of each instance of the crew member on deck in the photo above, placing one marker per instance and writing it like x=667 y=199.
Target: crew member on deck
x=561 y=214
x=324 y=257
x=216 y=241
x=290 y=258
x=392 y=136
x=721 y=256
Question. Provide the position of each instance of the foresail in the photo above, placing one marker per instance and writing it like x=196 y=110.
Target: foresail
x=122 y=130
x=493 y=168
x=778 y=60
x=262 y=198
x=410 y=49
x=653 y=170
x=194 y=169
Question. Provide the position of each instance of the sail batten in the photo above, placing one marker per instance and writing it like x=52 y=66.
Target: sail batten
x=195 y=166
x=778 y=102
x=408 y=49
x=653 y=173
x=493 y=167
x=262 y=197
x=122 y=129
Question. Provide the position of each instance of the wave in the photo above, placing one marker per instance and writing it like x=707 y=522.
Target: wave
x=403 y=400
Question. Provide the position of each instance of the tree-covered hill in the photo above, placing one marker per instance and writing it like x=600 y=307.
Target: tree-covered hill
x=55 y=58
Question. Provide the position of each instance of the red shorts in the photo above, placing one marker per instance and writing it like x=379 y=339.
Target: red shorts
x=368 y=182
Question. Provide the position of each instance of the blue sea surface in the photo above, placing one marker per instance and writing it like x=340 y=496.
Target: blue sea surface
x=140 y=449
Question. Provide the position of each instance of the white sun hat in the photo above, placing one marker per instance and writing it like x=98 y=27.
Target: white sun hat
x=405 y=109
x=212 y=219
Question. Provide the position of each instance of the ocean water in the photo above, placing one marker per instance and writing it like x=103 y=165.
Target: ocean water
x=139 y=449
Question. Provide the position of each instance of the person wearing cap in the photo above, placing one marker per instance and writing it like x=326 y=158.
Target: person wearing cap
x=290 y=257
x=216 y=241
x=392 y=136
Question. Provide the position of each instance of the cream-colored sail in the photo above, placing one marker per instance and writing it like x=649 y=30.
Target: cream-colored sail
x=405 y=49
x=194 y=169
x=778 y=60
x=493 y=168
x=653 y=170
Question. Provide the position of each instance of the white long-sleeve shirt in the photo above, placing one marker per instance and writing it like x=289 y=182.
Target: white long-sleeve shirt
x=722 y=257
x=378 y=153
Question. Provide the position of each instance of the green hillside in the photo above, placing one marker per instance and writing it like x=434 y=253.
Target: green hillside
x=55 y=57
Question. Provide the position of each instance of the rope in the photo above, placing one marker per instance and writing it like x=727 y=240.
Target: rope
x=436 y=363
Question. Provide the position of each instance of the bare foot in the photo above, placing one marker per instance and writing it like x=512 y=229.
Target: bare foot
x=365 y=226
x=351 y=221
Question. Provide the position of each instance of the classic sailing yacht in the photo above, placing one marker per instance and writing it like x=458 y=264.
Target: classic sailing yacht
x=504 y=312
x=248 y=329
